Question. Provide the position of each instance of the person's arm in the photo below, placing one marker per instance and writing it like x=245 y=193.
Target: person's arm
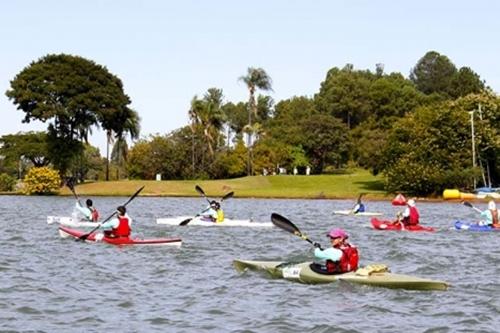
x=328 y=254
x=84 y=211
x=113 y=223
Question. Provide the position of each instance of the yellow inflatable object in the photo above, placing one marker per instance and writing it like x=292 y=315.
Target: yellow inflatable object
x=451 y=194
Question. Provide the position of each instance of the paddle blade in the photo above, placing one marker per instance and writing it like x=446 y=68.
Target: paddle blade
x=199 y=190
x=468 y=204
x=186 y=221
x=285 y=224
x=227 y=196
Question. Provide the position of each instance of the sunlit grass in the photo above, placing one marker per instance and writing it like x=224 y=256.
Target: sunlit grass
x=282 y=186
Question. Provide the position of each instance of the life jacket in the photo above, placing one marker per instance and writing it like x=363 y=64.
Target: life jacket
x=361 y=208
x=414 y=217
x=348 y=262
x=94 y=216
x=494 y=215
x=122 y=230
x=220 y=216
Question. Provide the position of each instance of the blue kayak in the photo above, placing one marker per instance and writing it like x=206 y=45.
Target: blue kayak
x=459 y=225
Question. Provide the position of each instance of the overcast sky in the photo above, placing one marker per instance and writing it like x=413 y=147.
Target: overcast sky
x=165 y=52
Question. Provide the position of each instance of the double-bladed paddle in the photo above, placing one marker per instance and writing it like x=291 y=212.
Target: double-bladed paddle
x=468 y=204
x=201 y=192
x=71 y=187
x=285 y=224
x=84 y=237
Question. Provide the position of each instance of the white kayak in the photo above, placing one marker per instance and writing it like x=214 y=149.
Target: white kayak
x=199 y=222
x=70 y=221
x=349 y=212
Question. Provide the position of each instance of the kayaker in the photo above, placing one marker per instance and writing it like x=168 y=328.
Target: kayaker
x=120 y=226
x=89 y=212
x=213 y=212
x=490 y=215
x=359 y=207
x=411 y=214
x=341 y=257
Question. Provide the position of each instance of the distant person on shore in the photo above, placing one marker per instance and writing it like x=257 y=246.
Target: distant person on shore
x=89 y=212
x=490 y=215
x=341 y=257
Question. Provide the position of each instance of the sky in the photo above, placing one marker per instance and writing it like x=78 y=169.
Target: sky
x=166 y=52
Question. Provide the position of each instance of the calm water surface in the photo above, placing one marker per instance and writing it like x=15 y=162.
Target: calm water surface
x=49 y=284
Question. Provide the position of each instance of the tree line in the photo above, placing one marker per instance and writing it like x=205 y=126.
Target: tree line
x=416 y=131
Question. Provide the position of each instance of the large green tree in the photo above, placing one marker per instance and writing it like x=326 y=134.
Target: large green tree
x=72 y=94
x=433 y=73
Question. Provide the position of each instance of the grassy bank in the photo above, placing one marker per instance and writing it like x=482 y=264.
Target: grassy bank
x=283 y=186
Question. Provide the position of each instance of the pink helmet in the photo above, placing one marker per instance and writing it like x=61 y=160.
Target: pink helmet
x=337 y=233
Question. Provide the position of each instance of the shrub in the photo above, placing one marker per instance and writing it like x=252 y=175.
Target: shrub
x=6 y=182
x=42 y=180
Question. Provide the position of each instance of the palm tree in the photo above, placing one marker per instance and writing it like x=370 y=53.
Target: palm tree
x=208 y=114
x=117 y=125
x=256 y=78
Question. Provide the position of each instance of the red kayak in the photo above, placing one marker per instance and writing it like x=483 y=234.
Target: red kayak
x=389 y=225
x=68 y=232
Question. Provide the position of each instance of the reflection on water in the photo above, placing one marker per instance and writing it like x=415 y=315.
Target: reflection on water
x=48 y=284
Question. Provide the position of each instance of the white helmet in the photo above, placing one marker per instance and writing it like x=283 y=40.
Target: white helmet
x=491 y=205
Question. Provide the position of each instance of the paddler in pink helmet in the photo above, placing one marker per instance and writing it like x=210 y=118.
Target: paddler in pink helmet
x=341 y=257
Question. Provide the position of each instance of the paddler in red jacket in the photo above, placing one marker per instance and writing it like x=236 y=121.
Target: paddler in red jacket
x=120 y=226
x=411 y=216
x=340 y=258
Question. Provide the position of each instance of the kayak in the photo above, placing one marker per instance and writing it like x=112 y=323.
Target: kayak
x=70 y=222
x=349 y=212
x=199 y=222
x=66 y=232
x=373 y=275
x=389 y=225
x=459 y=225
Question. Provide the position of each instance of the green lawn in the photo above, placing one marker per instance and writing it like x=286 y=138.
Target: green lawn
x=282 y=186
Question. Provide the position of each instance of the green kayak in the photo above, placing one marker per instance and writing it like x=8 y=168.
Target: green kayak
x=373 y=275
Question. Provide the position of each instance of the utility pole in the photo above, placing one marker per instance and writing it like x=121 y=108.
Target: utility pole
x=473 y=145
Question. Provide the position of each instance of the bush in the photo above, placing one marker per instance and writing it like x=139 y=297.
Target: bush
x=6 y=182
x=42 y=180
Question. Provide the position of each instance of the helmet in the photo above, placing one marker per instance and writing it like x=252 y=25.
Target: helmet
x=121 y=209
x=337 y=233
x=492 y=205
x=89 y=202
x=411 y=202
x=213 y=203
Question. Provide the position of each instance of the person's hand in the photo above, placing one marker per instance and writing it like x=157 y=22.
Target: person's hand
x=317 y=245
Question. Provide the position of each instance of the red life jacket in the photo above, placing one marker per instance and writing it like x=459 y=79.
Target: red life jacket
x=494 y=215
x=348 y=262
x=414 y=216
x=94 y=214
x=122 y=230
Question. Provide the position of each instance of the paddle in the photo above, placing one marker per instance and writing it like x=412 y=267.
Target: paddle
x=84 y=237
x=199 y=190
x=71 y=186
x=285 y=224
x=468 y=204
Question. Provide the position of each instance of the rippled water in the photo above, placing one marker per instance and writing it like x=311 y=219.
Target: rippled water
x=49 y=284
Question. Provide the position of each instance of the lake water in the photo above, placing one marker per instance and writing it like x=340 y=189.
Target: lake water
x=50 y=284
